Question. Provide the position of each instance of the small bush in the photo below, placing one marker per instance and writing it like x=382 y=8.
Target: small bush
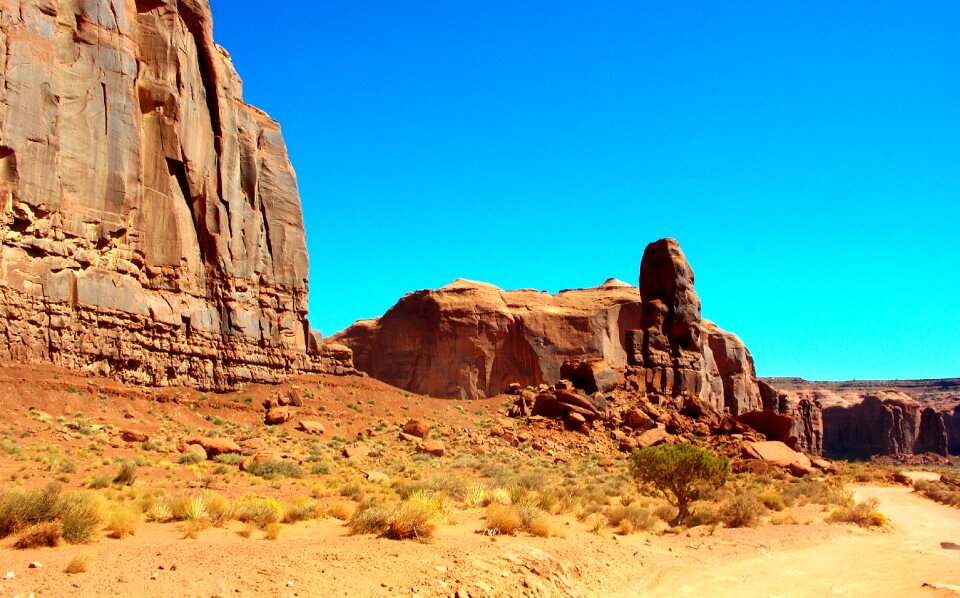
x=596 y=522
x=503 y=519
x=371 y=519
x=127 y=474
x=257 y=510
x=192 y=527
x=275 y=470
x=744 y=510
x=219 y=508
x=122 y=521
x=82 y=514
x=342 y=510
x=300 y=508
x=772 y=501
x=189 y=459
x=229 y=458
x=272 y=531
x=864 y=514
x=79 y=564
x=416 y=518
x=99 y=482
x=630 y=518
x=544 y=527
x=47 y=534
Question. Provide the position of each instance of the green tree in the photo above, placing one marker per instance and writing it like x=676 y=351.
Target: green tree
x=679 y=472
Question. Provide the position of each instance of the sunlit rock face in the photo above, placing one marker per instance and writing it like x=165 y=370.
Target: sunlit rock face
x=151 y=225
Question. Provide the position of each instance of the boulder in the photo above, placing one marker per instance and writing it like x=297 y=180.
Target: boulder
x=417 y=427
x=775 y=453
x=195 y=449
x=278 y=416
x=129 y=435
x=590 y=375
x=215 y=445
x=431 y=447
x=311 y=427
x=653 y=437
x=771 y=424
x=637 y=419
x=356 y=452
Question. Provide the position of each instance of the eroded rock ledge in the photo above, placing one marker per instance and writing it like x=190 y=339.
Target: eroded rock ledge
x=151 y=225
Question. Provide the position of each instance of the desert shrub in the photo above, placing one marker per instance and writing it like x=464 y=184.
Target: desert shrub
x=300 y=508
x=938 y=491
x=189 y=459
x=191 y=528
x=703 y=516
x=596 y=522
x=637 y=518
x=827 y=492
x=122 y=521
x=772 y=501
x=503 y=519
x=373 y=518
x=229 y=458
x=864 y=514
x=260 y=511
x=353 y=491
x=23 y=508
x=743 y=510
x=159 y=511
x=79 y=564
x=679 y=472
x=272 y=531
x=341 y=510
x=99 y=482
x=46 y=534
x=448 y=485
x=127 y=474
x=82 y=515
x=544 y=527
x=219 y=508
x=496 y=496
x=275 y=470
x=416 y=518
x=665 y=513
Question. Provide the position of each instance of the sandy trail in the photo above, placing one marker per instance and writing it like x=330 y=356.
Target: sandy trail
x=895 y=563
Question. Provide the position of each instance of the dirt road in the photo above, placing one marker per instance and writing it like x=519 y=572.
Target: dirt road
x=895 y=563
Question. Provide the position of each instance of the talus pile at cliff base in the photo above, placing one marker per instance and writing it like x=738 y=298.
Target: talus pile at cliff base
x=151 y=225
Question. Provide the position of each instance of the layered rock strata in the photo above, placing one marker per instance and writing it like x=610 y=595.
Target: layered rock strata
x=471 y=339
x=151 y=226
x=898 y=417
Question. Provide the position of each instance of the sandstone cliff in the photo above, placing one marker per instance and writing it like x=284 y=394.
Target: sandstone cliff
x=471 y=339
x=151 y=226
x=896 y=417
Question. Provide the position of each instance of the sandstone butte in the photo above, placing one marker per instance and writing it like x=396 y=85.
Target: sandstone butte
x=151 y=225
x=470 y=340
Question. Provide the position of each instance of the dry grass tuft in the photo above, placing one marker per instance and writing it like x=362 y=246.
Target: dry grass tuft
x=342 y=510
x=503 y=519
x=46 y=534
x=864 y=514
x=79 y=564
x=122 y=521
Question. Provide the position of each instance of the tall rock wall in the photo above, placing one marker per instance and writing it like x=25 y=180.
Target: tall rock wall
x=150 y=222
x=471 y=339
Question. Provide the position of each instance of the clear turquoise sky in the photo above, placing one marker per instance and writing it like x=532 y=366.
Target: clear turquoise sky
x=806 y=155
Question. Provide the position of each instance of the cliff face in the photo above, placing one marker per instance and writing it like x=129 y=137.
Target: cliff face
x=151 y=226
x=677 y=355
x=897 y=417
x=471 y=339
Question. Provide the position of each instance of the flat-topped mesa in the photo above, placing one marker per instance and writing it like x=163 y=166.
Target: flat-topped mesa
x=675 y=355
x=151 y=225
x=470 y=340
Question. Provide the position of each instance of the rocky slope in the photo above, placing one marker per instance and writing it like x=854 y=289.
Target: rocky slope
x=151 y=226
x=898 y=417
x=471 y=339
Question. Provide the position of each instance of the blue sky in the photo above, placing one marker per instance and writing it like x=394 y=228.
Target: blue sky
x=805 y=154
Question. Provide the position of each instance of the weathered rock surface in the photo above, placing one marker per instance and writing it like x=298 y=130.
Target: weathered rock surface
x=471 y=339
x=898 y=417
x=151 y=227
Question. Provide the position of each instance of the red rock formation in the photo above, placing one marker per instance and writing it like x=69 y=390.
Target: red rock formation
x=151 y=226
x=471 y=339
x=875 y=424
